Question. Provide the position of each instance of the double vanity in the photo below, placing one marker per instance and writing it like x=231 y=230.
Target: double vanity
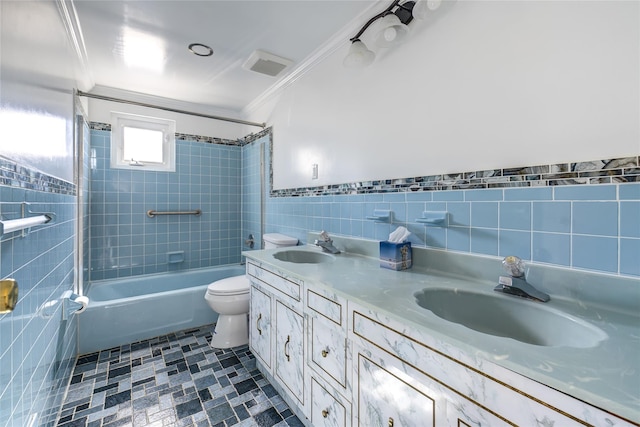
x=347 y=343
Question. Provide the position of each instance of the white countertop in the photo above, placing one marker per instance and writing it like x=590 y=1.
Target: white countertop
x=606 y=376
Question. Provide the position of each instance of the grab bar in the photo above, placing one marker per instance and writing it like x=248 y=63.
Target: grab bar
x=151 y=213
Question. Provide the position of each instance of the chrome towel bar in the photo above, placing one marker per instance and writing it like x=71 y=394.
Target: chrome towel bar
x=151 y=213
x=24 y=223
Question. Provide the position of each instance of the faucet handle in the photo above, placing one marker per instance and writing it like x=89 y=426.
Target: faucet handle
x=513 y=265
x=325 y=236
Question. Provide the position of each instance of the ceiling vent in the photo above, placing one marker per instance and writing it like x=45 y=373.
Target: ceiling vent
x=266 y=63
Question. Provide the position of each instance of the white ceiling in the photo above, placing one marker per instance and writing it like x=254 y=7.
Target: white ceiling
x=294 y=29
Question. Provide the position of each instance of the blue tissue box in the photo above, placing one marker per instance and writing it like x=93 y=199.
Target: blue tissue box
x=395 y=256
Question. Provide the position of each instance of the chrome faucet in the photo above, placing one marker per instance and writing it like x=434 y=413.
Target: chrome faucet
x=516 y=283
x=326 y=243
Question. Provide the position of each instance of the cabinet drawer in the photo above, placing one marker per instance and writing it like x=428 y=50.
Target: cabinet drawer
x=385 y=399
x=326 y=410
x=331 y=307
x=328 y=350
x=290 y=287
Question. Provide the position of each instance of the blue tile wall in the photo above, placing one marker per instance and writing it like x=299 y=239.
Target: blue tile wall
x=593 y=227
x=126 y=242
x=37 y=348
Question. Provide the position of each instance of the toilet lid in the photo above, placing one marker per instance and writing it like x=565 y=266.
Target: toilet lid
x=230 y=286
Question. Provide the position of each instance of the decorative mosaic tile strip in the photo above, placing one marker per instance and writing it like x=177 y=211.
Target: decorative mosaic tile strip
x=14 y=175
x=100 y=126
x=255 y=136
x=609 y=171
x=183 y=136
x=207 y=139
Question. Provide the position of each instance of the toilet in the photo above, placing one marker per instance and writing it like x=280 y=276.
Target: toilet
x=230 y=299
x=277 y=240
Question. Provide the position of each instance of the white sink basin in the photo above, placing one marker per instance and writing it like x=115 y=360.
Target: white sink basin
x=303 y=257
x=512 y=317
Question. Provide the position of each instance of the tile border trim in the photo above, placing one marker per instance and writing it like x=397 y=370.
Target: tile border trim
x=17 y=176
x=198 y=138
x=608 y=171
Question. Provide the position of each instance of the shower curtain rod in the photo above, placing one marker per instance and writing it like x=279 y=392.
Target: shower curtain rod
x=173 y=110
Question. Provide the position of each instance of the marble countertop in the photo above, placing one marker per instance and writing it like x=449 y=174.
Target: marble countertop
x=606 y=376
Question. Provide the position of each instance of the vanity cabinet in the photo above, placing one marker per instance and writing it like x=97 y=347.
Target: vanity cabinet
x=276 y=333
x=339 y=362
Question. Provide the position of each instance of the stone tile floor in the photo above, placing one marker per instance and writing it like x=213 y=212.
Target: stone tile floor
x=172 y=380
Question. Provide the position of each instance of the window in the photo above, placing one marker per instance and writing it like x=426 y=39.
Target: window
x=140 y=142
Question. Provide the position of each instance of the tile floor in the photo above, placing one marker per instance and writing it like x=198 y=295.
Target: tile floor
x=172 y=380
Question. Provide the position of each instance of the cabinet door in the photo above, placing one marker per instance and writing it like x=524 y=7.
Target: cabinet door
x=386 y=400
x=289 y=354
x=260 y=325
x=328 y=350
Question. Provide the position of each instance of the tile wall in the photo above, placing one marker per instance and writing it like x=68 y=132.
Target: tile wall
x=578 y=215
x=591 y=225
x=126 y=242
x=37 y=347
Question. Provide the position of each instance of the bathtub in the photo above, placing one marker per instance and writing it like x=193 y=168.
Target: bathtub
x=122 y=311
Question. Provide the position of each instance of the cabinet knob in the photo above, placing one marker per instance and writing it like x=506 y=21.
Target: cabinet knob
x=325 y=413
x=390 y=422
x=325 y=352
x=258 y=324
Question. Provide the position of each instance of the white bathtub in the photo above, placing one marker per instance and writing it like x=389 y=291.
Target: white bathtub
x=127 y=310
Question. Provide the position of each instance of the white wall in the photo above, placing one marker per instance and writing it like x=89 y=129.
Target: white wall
x=37 y=69
x=485 y=85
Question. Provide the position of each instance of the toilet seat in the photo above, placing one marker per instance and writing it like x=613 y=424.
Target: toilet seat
x=236 y=285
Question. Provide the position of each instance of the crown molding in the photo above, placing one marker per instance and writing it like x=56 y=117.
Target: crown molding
x=71 y=22
x=317 y=56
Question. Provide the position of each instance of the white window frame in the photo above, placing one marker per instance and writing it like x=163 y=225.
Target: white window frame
x=168 y=128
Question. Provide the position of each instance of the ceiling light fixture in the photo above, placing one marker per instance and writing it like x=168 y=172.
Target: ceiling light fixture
x=200 y=49
x=391 y=30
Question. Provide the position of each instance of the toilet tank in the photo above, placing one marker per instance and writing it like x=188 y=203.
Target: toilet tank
x=277 y=240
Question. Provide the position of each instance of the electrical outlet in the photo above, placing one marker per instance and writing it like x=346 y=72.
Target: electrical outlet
x=314 y=173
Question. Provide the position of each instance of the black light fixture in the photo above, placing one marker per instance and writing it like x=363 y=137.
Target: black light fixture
x=393 y=29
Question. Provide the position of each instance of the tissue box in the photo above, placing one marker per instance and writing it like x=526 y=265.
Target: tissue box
x=395 y=256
